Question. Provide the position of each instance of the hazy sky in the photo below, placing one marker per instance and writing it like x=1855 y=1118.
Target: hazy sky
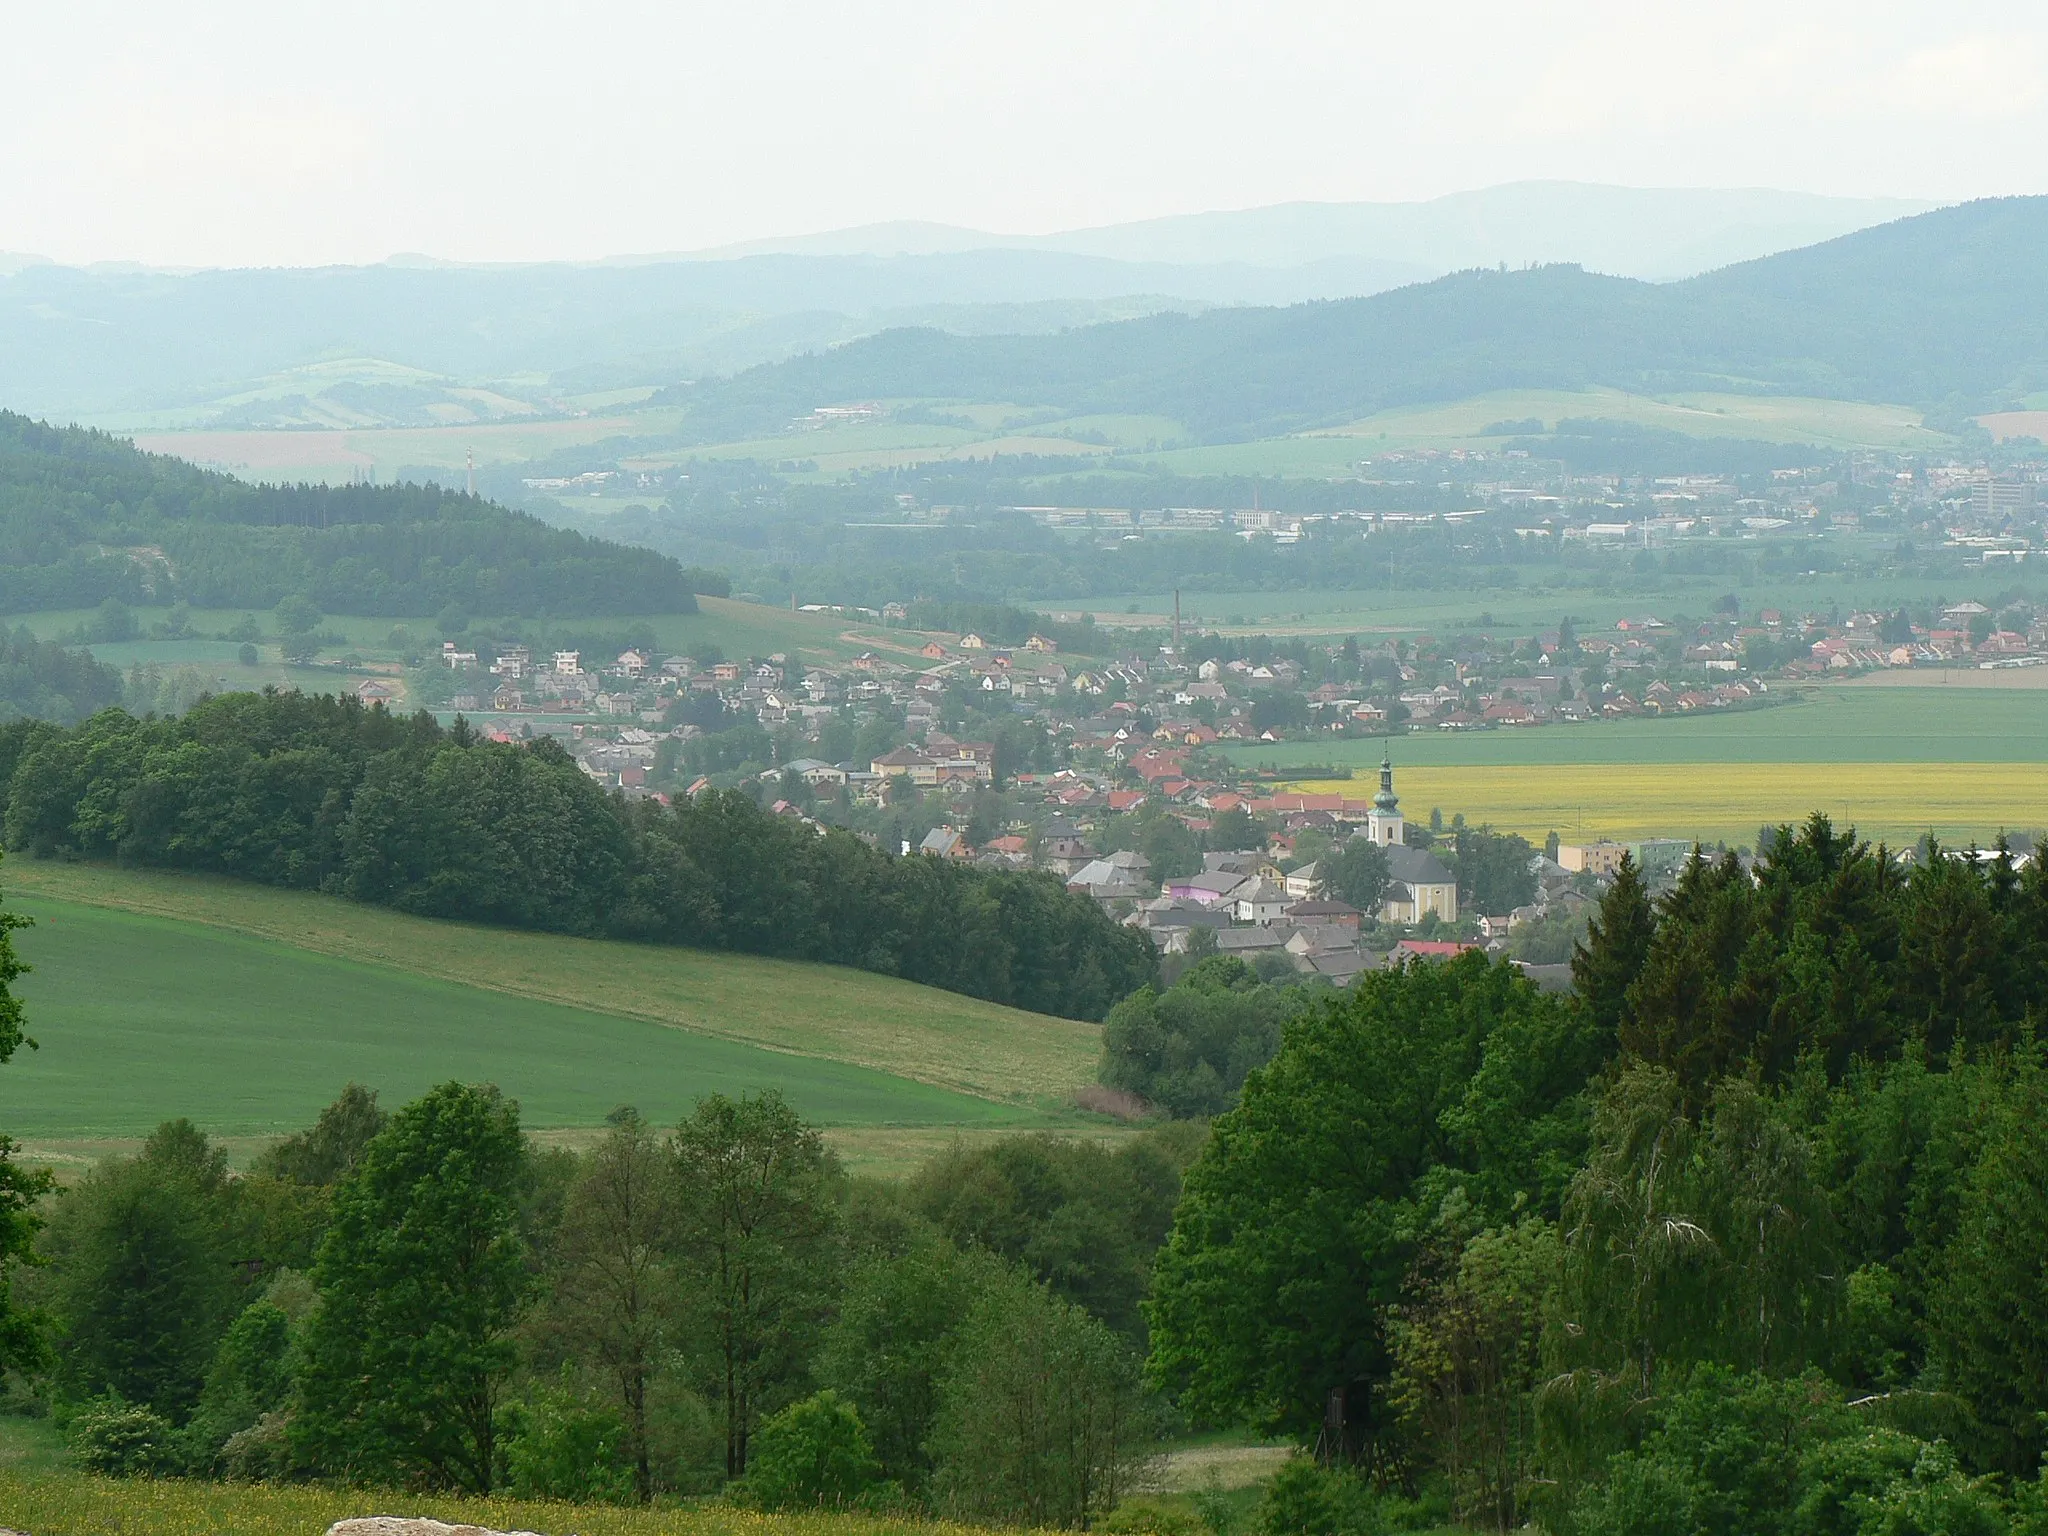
x=278 y=131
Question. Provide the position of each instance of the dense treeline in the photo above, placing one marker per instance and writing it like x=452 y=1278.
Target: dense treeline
x=426 y=1298
x=1745 y=1234
x=1742 y=1235
x=84 y=517
x=45 y=681
x=319 y=793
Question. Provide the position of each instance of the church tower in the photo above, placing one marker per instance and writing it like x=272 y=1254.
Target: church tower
x=1383 y=822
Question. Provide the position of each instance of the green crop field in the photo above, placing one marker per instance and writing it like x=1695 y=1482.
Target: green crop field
x=1461 y=424
x=1826 y=724
x=1526 y=606
x=1963 y=762
x=156 y=995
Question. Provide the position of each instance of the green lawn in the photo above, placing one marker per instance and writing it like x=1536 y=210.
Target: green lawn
x=1831 y=724
x=142 y=1018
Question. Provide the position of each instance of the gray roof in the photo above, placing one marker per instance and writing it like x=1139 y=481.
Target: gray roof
x=1231 y=940
x=1414 y=866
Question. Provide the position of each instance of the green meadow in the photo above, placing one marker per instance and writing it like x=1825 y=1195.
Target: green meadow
x=246 y=1009
x=144 y=1018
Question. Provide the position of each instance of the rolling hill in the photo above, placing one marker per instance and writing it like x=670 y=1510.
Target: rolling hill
x=1938 y=310
x=85 y=517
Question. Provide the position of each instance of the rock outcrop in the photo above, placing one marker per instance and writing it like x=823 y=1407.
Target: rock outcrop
x=400 y=1525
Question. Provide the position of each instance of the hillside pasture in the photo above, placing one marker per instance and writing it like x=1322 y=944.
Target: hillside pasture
x=141 y=1019
x=246 y=1008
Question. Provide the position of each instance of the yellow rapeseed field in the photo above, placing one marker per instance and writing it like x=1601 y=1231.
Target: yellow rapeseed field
x=1896 y=802
x=72 y=1504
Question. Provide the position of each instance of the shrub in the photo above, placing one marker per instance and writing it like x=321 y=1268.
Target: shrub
x=813 y=1453
x=1307 y=1499
x=117 y=1439
x=562 y=1448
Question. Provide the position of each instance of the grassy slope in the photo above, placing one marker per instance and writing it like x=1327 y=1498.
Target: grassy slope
x=423 y=996
x=145 y=1018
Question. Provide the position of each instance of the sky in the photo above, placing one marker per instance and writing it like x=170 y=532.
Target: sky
x=219 y=132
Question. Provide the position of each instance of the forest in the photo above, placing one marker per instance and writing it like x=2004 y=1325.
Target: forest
x=315 y=792
x=84 y=517
x=1742 y=1234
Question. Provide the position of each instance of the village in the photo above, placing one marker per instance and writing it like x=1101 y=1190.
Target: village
x=1114 y=772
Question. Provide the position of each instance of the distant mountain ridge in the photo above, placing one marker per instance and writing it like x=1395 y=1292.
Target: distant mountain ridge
x=123 y=345
x=1655 y=233
x=1939 y=310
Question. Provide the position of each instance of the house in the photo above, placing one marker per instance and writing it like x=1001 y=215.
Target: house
x=1301 y=883
x=1601 y=858
x=1065 y=856
x=376 y=691
x=1258 y=901
x=1041 y=644
x=944 y=843
x=1216 y=888
x=1334 y=914
x=902 y=762
x=1427 y=949
x=457 y=661
x=973 y=643
x=1251 y=941
x=568 y=663
x=931 y=650
x=814 y=771
x=632 y=663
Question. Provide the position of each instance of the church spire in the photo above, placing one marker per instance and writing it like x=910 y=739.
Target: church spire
x=1385 y=799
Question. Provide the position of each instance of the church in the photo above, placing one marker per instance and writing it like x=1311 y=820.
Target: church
x=1420 y=883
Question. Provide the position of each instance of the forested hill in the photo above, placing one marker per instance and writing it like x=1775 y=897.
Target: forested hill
x=1940 y=310
x=318 y=793
x=85 y=517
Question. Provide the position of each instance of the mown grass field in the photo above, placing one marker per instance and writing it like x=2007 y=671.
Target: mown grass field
x=1961 y=762
x=62 y=1503
x=247 y=1009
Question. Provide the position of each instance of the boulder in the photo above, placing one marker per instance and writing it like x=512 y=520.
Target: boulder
x=400 y=1525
